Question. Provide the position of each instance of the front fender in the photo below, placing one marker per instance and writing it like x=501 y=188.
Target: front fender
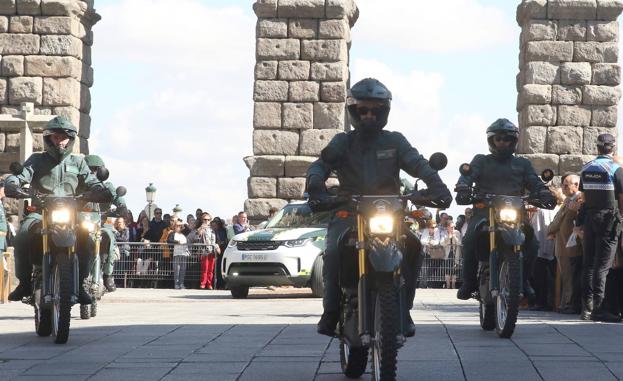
x=62 y=236
x=512 y=236
x=384 y=256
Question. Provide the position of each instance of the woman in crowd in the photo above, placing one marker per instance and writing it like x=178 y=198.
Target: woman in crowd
x=207 y=248
x=180 y=253
x=218 y=226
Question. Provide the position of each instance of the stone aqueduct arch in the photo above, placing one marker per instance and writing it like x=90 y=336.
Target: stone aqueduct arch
x=568 y=81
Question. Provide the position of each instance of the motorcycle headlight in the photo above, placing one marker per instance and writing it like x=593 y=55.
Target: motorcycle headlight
x=88 y=226
x=61 y=216
x=381 y=224
x=296 y=242
x=508 y=215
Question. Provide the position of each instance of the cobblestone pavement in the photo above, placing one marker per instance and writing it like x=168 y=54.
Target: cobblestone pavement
x=143 y=334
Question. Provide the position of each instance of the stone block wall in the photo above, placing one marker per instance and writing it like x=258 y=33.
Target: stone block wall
x=301 y=77
x=569 y=79
x=45 y=58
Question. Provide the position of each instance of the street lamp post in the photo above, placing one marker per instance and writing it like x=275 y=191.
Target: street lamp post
x=150 y=194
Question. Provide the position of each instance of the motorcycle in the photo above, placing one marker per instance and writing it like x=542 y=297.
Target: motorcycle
x=372 y=310
x=56 y=280
x=499 y=244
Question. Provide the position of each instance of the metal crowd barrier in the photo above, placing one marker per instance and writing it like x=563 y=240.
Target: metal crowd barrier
x=435 y=270
x=151 y=265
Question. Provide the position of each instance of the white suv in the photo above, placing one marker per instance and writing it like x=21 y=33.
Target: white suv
x=285 y=252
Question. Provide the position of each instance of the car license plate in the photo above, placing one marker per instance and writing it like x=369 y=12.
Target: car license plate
x=254 y=257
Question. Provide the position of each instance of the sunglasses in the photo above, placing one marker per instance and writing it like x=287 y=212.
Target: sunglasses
x=504 y=138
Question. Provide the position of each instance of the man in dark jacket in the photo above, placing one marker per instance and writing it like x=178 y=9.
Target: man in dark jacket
x=53 y=172
x=368 y=161
x=501 y=173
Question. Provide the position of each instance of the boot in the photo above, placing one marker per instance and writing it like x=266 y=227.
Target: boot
x=587 y=309
x=23 y=290
x=466 y=290
x=328 y=323
x=109 y=283
x=605 y=316
x=84 y=297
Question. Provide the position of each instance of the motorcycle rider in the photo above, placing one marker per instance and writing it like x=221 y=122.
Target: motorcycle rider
x=108 y=236
x=368 y=161
x=53 y=172
x=503 y=173
x=601 y=181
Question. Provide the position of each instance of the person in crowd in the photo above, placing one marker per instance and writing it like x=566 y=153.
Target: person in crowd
x=460 y=222
x=166 y=250
x=144 y=254
x=544 y=266
x=180 y=253
x=243 y=224
x=230 y=228
x=207 y=249
x=441 y=218
x=468 y=216
x=133 y=227
x=122 y=236
x=601 y=181
x=568 y=251
x=156 y=226
x=198 y=214
x=218 y=226
x=501 y=172
x=451 y=242
x=429 y=238
x=369 y=159
x=190 y=225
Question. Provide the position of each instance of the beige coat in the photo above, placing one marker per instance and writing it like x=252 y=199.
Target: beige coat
x=562 y=227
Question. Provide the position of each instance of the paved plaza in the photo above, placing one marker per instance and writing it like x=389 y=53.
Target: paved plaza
x=144 y=334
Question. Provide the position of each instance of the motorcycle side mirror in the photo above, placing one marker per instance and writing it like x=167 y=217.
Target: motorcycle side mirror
x=547 y=175
x=438 y=161
x=102 y=174
x=121 y=191
x=16 y=168
x=465 y=169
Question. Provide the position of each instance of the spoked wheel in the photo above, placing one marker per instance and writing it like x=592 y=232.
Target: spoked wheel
x=507 y=301
x=487 y=316
x=353 y=360
x=386 y=331
x=61 y=310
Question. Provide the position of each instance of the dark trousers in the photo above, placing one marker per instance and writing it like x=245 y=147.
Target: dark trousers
x=411 y=264
x=600 y=242
x=544 y=278
x=220 y=283
x=613 y=298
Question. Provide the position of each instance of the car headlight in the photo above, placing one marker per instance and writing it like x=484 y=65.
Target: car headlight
x=296 y=242
x=508 y=215
x=88 y=226
x=232 y=243
x=61 y=216
x=381 y=225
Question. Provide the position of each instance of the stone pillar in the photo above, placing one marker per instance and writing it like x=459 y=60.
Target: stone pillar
x=301 y=77
x=45 y=48
x=569 y=79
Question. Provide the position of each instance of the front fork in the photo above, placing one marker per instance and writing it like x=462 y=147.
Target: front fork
x=95 y=269
x=364 y=320
x=47 y=283
x=494 y=270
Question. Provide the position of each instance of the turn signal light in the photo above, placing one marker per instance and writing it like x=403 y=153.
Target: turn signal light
x=31 y=209
x=417 y=213
x=480 y=205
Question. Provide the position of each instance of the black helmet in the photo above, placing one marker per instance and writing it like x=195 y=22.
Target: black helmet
x=59 y=124
x=502 y=127
x=369 y=89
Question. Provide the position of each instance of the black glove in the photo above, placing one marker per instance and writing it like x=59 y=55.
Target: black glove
x=15 y=191
x=544 y=200
x=463 y=194
x=437 y=198
x=98 y=195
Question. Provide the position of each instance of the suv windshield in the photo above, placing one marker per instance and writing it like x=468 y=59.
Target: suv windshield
x=299 y=216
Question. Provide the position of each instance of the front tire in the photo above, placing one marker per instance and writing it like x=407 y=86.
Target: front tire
x=507 y=300
x=239 y=292
x=317 y=285
x=487 y=316
x=63 y=281
x=353 y=360
x=387 y=329
x=43 y=321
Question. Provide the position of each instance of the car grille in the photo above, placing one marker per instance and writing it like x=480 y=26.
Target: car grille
x=258 y=245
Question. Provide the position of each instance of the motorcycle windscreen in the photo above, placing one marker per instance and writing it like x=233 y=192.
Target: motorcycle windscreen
x=62 y=236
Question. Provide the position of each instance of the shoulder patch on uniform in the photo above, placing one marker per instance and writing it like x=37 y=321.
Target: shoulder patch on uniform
x=386 y=154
